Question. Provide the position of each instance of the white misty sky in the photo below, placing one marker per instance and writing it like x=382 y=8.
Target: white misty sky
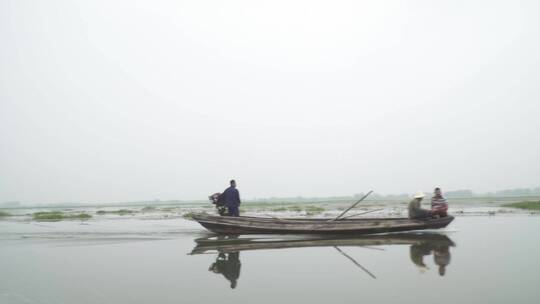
x=130 y=100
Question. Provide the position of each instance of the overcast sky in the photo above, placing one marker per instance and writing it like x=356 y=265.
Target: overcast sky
x=105 y=101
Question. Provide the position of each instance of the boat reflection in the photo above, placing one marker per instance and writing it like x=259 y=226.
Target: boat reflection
x=228 y=248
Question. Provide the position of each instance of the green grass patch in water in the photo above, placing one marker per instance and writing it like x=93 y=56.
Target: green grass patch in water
x=78 y=216
x=48 y=216
x=58 y=216
x=527 y=205
x=314 y=209
x=3 y=213
x=295 y=208
x=188 y=215
x=122 y=212
x=117 y=212
x=148 y=209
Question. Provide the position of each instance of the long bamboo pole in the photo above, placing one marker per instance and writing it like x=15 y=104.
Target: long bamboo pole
x=353 y=205
x=349 y=216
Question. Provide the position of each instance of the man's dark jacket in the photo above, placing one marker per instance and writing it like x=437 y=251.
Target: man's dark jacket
x=232 y=197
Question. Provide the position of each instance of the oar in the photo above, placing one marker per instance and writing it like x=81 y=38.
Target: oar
x=353 y=205
x=348 y=216
x=355 y=262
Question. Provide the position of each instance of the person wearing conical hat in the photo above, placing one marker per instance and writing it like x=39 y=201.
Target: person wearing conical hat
x=415 y=209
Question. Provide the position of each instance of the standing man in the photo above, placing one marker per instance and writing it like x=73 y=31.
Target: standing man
x=232 y=199
x=439 y=206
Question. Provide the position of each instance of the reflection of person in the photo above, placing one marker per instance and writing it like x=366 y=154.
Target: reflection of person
x=441 y=256
x=418 y=252
x=228 y=264
x=232 y=199
x=415 y=211
x=439 y=206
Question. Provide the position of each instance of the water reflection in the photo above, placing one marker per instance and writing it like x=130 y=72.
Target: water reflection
x=228 y=264
x=228 y=249
x=440 y=250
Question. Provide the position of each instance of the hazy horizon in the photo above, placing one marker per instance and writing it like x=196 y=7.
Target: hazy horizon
x=118 y=101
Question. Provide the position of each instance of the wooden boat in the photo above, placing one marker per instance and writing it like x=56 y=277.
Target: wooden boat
x=260 y=225
x=228 y=244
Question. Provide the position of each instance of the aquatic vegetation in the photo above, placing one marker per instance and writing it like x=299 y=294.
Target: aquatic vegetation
x=527 y=205
x=79 y=216
x=3 y=213
x=48 y=216
x=148 y=209
x=295 y=208
x=188 y=215
x=58 y=216
x=118 y=212
x=314 y=209
x=122 y=212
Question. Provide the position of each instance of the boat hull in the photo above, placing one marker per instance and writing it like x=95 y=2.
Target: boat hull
x=255 y=225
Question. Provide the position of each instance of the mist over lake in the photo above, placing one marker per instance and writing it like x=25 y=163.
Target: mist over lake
x=269 y=151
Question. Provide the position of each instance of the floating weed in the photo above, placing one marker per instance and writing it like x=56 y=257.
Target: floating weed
x=279 y=209
x=3 y=213
x=48 y=216
x=188 y=215
x=79 y=216
x=117 y=212
x=148 y=209
x=58 y=216
x=314 y=209
x=123 y=211
x=295 y=208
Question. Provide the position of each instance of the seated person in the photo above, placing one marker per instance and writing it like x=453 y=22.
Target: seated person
x=415 y=211
x=439 y=206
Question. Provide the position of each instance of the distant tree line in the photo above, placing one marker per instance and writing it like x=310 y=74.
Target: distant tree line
x=462 y=193
x=516 y=192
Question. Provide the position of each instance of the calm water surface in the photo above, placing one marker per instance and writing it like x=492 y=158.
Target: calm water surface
x=475 y=260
